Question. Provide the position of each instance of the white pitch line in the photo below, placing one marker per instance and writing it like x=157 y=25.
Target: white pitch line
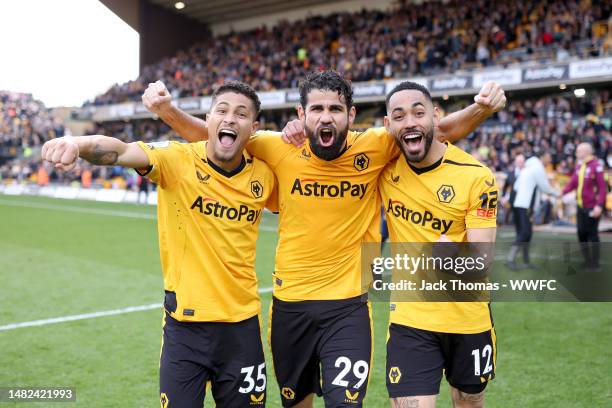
x=71 y=208
x=96 y=211
x=93 y=315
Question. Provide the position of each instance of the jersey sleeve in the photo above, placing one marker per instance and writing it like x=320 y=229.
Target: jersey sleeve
x=268 y=147
x=272 y=203
x=482 y=210
x=385 y=142
x=167 y=161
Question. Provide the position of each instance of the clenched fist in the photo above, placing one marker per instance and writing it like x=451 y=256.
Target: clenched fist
x=156 y=97
x=491 y=97
x=62 y=152
x=293 y=133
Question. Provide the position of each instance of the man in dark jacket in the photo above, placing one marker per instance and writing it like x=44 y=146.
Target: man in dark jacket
x=589 y=182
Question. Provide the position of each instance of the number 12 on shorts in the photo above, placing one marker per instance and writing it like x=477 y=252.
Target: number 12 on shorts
x=487 y=353
x=360 y=370
x=252 y=383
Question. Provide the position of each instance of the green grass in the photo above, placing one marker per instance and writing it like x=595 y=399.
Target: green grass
x=57 y=262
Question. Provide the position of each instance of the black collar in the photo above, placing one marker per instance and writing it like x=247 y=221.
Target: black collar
x=421 y=170
x=226 y=173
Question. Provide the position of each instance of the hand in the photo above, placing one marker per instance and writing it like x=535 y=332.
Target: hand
x=293 y=133
x=156 y=97
x=444 y=238
x=63 y=152
x=596 y=212
x=491 y=97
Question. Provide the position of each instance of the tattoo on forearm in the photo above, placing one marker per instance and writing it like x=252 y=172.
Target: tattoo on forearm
x=405 y=403
x=101 y=156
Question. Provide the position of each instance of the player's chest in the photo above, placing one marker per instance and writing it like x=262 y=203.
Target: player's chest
x=348 y=180
x=438 y=205
x=210 y=197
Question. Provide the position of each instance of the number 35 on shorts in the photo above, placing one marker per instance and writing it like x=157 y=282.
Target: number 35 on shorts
x=253 y=381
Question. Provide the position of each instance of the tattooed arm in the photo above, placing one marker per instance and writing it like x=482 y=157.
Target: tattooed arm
x=63 y=152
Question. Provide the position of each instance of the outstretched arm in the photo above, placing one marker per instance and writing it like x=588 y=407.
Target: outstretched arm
x=158 y=100
x=63 y=152
x=458 y=125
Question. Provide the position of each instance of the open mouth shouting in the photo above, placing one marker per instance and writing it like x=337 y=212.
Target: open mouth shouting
x=326 y=136
x=227 y=137
x=413 y=141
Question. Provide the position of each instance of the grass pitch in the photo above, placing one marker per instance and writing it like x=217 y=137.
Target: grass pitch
x=61 y=258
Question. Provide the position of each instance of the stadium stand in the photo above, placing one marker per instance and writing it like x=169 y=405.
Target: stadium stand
x=406 y=41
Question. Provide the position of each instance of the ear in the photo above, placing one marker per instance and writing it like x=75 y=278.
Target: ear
x=436 y=116
x=207 y=117
x=387 y=123
x=254 y=127
x=351 y=116
x=301 y=113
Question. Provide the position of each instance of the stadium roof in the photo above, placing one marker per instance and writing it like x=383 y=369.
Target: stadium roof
x=216 y=11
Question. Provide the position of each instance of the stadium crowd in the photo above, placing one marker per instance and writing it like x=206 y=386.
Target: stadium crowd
x=412 y=39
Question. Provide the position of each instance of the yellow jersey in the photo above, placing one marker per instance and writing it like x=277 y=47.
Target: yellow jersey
x=327 y=209
x=208 y=225
x=454 y=194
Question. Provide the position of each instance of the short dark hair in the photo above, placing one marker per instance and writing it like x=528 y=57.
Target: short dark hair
x=328 y=80
x=407 y=86
x=239 y=88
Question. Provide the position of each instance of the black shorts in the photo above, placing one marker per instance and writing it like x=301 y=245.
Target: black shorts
x=322 y=339
x=417 y=359
x=229 y=355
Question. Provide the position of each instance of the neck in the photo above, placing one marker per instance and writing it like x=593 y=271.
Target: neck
x=436 y=152
x=226 y=165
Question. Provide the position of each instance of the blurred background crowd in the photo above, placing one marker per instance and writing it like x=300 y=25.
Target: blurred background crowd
x=409 y=40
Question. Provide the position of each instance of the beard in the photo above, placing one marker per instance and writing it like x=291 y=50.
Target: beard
x=331 y=152
x=412 y=157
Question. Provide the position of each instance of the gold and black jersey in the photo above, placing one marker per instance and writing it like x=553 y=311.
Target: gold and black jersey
x=208 y=225
x=327 y=209
x=449 y=197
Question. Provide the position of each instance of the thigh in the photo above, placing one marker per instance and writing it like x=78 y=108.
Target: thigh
x=182 y=371
x=415 y=362
x=293 y=340
x=471 y=360
x=239 y=376
x=345 y=352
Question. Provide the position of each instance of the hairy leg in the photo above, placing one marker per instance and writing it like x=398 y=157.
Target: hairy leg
x=464 y=400
x=419 y=401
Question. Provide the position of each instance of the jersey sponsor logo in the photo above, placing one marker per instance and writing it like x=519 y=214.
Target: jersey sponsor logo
x=202 y=178
x=256 y=189
x=486 y=213
x=351 y=398
x=163 y=399
x=255 y=400
x=394 y=375
x=287 y=393
x=214 y=208
x=361 y=161
x=446 y=193
x=312 y=188
x=426 y=219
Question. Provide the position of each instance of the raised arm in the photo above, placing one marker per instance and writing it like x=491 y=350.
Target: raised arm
x=63 y=152
x=158 y=100
x=458 y=125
